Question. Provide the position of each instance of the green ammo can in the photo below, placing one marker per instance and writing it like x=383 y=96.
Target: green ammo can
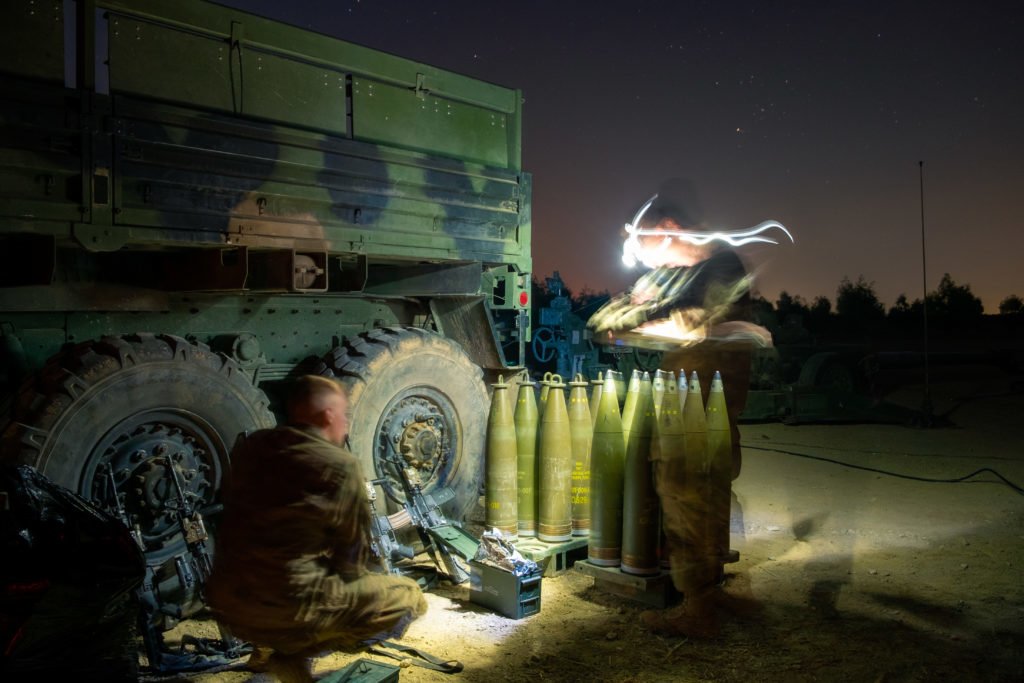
x=364 y=671
x=504 y=592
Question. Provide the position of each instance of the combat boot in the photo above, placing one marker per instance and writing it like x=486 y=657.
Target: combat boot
x=290 y=668
x=677 y=621
x=734 y=597
x=741 y=606
x=258 y=660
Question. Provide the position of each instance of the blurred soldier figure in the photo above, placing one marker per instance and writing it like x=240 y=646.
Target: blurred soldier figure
x=290 y=572
x=693 y=304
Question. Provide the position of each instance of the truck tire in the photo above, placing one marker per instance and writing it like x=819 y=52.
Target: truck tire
x=417 y=394
x=131 y=403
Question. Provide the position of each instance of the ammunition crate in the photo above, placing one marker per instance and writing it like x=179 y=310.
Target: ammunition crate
x=504 y=592
x=364 y=671
x=553 y=558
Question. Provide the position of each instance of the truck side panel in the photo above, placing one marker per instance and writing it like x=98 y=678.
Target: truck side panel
x=253 y=184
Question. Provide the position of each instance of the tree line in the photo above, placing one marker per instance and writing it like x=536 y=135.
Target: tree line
x=952 y=309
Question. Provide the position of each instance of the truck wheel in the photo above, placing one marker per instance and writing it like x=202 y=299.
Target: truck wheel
x=416 y=395
x=133 y=406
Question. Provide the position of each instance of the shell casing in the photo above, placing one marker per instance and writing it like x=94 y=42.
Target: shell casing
x=629 y=407
x=640 y=511
x=667 y=457
x=607 y=458
x=695 y=430
x=683 y=388
x=719 y=465
x=595 y=397
x=658 y=390
x=526 y=418
x=702 y=553
x=581 y=432
x=501 y=464
x=620 y=386
x=554 y=457
x=545 y=389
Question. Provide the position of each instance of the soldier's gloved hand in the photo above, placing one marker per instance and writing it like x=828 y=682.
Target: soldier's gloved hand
x=690 y=319
x=618 y=314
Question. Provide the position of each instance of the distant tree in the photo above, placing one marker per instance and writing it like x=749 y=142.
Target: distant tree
x=791 y=313
x=954 y=302
x=821 y=306
x=858 y=302
x=819 y=316
x=905 y=317
x=903 y=311
x=790 y=306
x=901 y=308
x=1011 y=305
x=763 y=313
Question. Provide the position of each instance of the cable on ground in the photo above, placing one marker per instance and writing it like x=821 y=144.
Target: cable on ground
x=1015 y=487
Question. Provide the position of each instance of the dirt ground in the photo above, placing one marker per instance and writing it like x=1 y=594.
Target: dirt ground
x=862 y=576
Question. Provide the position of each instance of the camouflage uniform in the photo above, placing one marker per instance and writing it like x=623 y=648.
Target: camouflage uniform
x=694 y=516
x=290 y=568
x=712 y=290
x=691 y=520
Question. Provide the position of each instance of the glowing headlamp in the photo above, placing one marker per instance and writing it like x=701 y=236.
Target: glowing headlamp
x=633 y=251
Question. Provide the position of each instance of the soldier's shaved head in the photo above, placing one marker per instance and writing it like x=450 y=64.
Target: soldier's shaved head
x=320 y=403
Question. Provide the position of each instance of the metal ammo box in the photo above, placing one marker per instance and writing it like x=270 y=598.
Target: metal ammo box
x=504 y=592
x=364 y=671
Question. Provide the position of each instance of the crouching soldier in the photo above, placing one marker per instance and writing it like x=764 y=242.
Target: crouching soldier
x=290 y=573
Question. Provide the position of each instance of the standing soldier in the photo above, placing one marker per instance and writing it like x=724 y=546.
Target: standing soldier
x=694 y=304
x=290 y=573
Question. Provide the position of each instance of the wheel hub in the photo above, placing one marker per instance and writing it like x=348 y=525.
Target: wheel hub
x=420 y=443
x=149 y=458
x=416 y=429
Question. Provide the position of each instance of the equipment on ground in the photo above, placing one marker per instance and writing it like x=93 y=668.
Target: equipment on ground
x=526 y=418
x=193 y=568
x=554 y=467
x=581 y=430
x=719 y=474
x=515 y=596
x=607 y=459
x=68 y=581
x=641 y=512
x=442 y=539
x=502 y=466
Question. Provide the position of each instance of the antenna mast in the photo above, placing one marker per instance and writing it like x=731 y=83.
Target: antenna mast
x=926 y=407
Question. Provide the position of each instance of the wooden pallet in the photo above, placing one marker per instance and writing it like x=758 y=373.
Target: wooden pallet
x=656 y=590
x=554 y=558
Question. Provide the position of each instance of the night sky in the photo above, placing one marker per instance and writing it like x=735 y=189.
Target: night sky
x=813 y=114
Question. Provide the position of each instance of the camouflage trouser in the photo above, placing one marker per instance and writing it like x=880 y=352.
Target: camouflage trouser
x=695 y=504
x=686 y=508
x=351 y=616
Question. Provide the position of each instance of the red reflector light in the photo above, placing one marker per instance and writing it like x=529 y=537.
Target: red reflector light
x=524 y=298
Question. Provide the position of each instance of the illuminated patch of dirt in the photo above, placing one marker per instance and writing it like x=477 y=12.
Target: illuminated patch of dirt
x=862 y=576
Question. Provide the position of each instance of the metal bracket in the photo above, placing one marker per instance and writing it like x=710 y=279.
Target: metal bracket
x=99 y=237
x=421 y=89
x=235 y=57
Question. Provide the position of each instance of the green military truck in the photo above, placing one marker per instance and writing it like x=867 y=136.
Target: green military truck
x=197 y=204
